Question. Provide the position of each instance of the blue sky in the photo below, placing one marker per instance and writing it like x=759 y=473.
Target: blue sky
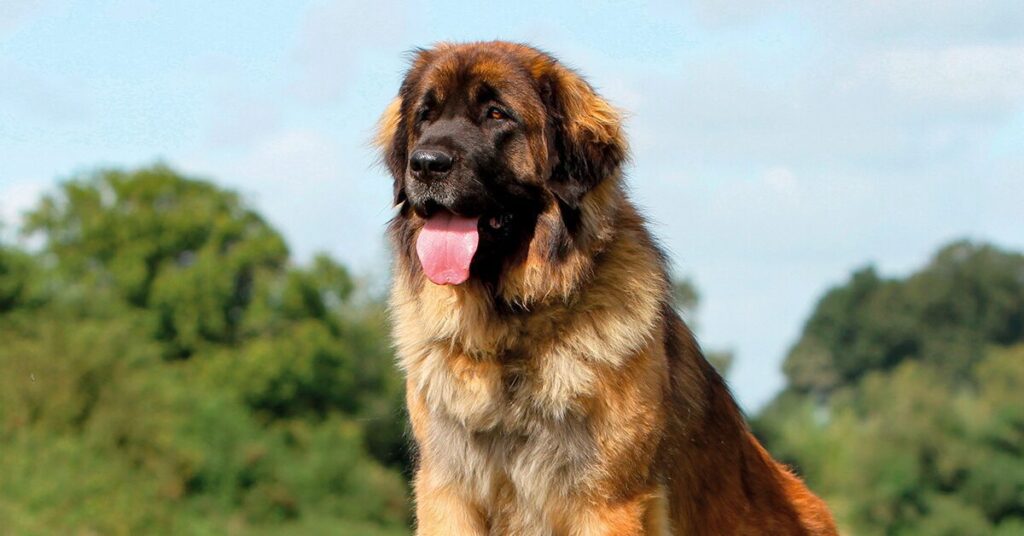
x=776 y=145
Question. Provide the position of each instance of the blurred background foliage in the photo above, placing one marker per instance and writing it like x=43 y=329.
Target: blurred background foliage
x=905 y=398
x=168 y=369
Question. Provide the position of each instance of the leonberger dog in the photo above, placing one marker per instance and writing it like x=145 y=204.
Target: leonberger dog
x=551 y=386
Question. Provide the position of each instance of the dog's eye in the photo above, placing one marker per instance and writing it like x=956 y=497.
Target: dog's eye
x=422 y=114
x=496 y=114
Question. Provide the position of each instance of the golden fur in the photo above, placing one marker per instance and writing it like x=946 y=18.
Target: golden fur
x=569 y=398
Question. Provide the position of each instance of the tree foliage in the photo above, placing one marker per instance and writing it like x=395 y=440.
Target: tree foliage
x=904 y=400
x=968 y=297
x=168 y=370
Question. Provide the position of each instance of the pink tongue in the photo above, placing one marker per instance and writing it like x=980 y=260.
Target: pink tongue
x=446 y=246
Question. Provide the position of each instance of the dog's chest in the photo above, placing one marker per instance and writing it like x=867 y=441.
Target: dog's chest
x=508 y=432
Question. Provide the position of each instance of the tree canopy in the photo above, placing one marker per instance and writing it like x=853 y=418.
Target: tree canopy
x=904 y=398
x=168 y=369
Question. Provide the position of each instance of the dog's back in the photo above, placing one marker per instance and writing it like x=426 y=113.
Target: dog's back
x=721 y=479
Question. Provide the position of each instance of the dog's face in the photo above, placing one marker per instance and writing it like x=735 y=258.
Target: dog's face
x=482 y=139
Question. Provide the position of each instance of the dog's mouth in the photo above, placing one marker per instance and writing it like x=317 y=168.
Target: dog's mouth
x=448 y=242
x=446 y=246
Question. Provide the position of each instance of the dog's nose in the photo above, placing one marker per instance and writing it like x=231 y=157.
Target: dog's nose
x=430 y=164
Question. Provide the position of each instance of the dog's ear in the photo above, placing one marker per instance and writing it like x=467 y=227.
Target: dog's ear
x=588 y=142
x=392 y=141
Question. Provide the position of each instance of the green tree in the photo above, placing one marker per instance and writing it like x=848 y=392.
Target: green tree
x=16 y=270
x=167 y=370
x=180 y=248
x=903 y=405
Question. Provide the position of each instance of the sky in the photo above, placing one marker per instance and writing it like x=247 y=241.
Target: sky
x=776 y=146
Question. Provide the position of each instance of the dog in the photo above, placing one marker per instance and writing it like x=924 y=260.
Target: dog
x=551 y=386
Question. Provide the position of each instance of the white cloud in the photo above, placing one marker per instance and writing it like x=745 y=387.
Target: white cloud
x=240 y=121
x=15 y=199
x=919 y=22
x=16 y=12
x=782 y=181
x=923 y=22
x=331 y=40
x=975 y=73
x=759 y=201
x=293 y=158
x=885 y=109
x=305 y=182
x=132 y=11
x=727 y=12
x=45 y=96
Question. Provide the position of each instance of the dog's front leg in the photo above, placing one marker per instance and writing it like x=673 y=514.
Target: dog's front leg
x=642 y=516
x=440 y=511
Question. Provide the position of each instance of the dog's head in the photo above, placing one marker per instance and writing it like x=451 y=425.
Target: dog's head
x=486 y=143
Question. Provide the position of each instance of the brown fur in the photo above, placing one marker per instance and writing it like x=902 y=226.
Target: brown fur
x=568 y=398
